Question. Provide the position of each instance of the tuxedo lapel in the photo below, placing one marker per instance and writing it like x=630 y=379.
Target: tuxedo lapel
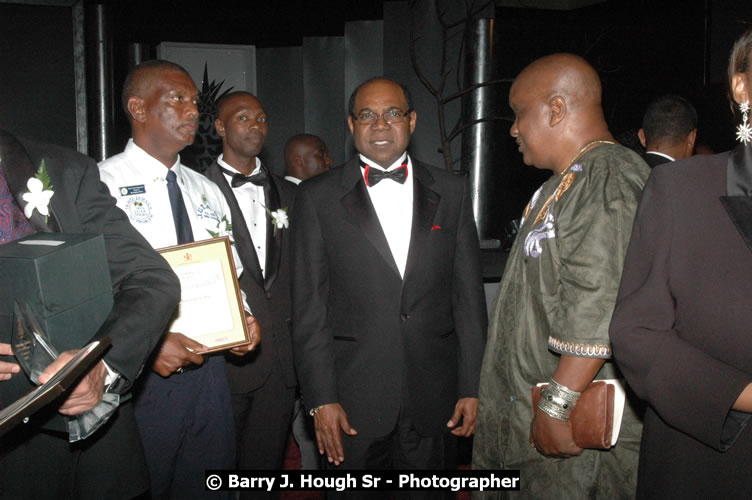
x=241 y=235
x=739 y=209
x=738 y=203
x=358 y=205
x=273 y=236
x=18 y=169
x=425 y=204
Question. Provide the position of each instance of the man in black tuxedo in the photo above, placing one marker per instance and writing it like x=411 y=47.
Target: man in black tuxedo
x=389 y=319
x=36 y=463
x=669 y=130
x=262 y=383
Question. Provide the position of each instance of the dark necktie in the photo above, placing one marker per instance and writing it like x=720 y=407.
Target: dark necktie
x=13 y=223
x=259 y=179
x=179 y=213
x=375 y=175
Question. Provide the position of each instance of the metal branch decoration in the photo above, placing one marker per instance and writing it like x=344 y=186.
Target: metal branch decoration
x=450 y=30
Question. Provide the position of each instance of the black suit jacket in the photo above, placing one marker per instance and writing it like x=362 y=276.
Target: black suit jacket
x=363 y=336
x=146 y=292
x=681 y=327
x=269 y=296
x=653 y=159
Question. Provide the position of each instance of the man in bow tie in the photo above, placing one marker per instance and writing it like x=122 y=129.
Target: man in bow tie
x=262 y=383
x=389 y=316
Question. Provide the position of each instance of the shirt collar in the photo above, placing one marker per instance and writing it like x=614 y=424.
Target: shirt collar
x=145 y=159
x=661 y=154
x=391 y=167
x=221 y=161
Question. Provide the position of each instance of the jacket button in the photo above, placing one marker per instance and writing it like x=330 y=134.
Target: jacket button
x=405 y=317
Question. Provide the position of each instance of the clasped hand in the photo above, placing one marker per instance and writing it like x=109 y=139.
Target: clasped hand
x=85 y=396
x=552 y=437
x=178 y=351
x=7 y=369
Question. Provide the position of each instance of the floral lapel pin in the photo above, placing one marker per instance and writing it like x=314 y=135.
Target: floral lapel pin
x=39 y=194
x=279 y=218
x=223 y=227
x=435 y=228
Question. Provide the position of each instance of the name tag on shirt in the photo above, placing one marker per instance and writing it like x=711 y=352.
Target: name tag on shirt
x=131 y=190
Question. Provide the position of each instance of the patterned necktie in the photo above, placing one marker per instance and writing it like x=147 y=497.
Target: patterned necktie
x=13 y=223
x=375 y=175
x=179 y=213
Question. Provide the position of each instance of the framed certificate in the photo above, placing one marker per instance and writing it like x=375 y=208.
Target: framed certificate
x=211 y=307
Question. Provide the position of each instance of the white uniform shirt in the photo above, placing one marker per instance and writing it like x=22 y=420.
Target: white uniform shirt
x=393 y=203
x=251 y=201
x=138 y=183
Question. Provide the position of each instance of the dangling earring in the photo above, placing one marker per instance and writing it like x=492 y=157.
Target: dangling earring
x=744 y=131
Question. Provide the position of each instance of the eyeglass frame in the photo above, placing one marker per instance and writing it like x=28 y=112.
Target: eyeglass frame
x=402 y=116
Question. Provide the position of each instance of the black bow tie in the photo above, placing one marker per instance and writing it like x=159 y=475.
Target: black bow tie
x=259 y=179
x=375 y=175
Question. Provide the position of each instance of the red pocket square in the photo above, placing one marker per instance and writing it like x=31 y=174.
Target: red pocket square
x=434 y=228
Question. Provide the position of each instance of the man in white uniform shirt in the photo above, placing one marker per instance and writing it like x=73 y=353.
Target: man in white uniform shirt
x=183 y=406
x=389 y=318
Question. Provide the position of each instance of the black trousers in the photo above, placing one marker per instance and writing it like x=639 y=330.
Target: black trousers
x=402 y=449
x=262 y=426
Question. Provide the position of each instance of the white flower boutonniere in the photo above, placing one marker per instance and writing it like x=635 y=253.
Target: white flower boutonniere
x=223 y=227
x=279 y=218
x=40 y=193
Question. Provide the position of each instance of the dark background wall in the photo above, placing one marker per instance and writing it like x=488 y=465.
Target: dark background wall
x=640 y=48
x=37 y=90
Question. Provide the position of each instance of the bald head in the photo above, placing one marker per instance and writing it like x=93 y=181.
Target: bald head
x=557 y=103
x=306 y=156
x=141 y=80
x=565 y=75
x=161 y=101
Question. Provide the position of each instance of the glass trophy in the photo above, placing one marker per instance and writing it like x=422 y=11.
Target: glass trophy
x=30 y=344
x=34 y=352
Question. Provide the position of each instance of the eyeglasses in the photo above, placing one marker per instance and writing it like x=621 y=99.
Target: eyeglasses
x=391 y=116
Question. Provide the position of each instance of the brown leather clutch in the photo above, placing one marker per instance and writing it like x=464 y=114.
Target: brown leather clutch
x=592 y=419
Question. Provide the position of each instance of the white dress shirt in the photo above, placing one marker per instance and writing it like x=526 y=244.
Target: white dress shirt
x=393 y=203
x=252 y=204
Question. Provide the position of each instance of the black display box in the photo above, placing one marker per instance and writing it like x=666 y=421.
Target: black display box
x=64 y=280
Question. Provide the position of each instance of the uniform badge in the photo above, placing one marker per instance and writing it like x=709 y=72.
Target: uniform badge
x=138 y=209
x=205 y=211
x=131 y=190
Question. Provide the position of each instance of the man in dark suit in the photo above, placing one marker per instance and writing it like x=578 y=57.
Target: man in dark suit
x=306 y=155
x=35 y=463
x=389 y=318
x=669 y=130
x=262 y=383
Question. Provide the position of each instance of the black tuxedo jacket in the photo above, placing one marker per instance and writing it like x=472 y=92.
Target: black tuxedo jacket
x=653 y=159
x=362 y=335
x=146 y=292
x=269 y=296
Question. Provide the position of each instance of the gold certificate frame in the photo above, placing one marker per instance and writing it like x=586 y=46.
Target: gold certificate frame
x=211 y=307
